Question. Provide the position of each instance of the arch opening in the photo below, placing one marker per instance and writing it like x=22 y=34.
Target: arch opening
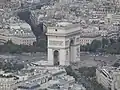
x=56 y=58
x=71 y=50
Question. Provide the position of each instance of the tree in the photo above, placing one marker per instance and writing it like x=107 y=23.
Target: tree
x=112 y=41
x=96 y=44
x=70 y=72
x=116 y=65
x=13 y=49
x=96 y=85
x=42 y=44
x=104 y=42
x=87 y=71
x=114 y=48
x=118 y=40
x=85 y=47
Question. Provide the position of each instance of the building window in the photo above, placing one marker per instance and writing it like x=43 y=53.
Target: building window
x=55 y=29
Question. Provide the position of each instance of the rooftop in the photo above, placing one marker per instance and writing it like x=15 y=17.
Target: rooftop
x=91 y=35
x=29 y=86
x=65 y=25
x=109 y=70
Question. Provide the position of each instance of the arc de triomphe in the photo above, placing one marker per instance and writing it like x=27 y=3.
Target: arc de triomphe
x=63 y=43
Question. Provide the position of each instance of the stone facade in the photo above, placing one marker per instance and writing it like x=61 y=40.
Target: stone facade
x=64 y=40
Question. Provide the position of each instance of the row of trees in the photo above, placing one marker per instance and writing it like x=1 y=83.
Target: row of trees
x=110 y=46
x=10 y=66
x=85 y=76
x=13 y=48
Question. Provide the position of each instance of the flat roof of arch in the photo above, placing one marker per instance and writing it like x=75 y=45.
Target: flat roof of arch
x=65 y=26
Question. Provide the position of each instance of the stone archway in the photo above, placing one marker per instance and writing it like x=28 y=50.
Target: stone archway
x=71 y=50
x=56 y=58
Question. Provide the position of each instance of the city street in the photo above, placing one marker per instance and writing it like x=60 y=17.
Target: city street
x=89 y=60
x=86 y=60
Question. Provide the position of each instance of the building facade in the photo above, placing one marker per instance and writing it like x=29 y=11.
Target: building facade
x=19 y=40
x=109 y=77
x=84 y=40
x=7 y=81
